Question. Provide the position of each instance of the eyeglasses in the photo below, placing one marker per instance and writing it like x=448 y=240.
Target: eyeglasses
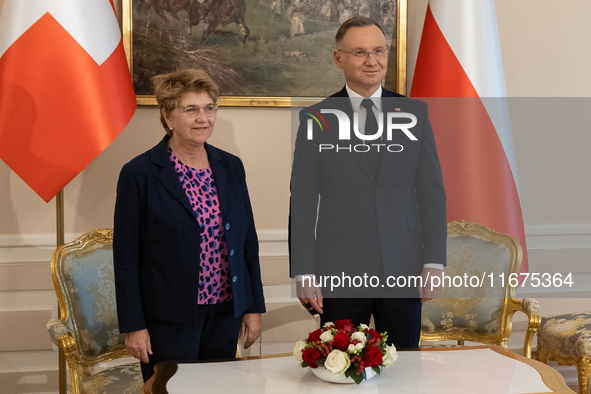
x=379 y=53
x=192 y=110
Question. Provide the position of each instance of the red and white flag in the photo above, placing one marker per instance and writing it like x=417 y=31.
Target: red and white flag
x=460 y=58
x=65 y=88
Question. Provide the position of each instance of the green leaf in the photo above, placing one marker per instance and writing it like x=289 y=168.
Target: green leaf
x=304 y=365
x=376 y=369
x=358 y=378
x=350 y=372
x=320 y=361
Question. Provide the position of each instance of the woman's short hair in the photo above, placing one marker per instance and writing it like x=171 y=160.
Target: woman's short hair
x=358 y=21
x=170 y=88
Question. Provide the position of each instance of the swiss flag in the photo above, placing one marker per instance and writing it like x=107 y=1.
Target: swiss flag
x=459 y=70
x=65 y=88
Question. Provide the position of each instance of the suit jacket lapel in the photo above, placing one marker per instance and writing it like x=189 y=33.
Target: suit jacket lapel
x=361 y=158
x=388 y=103
x=385 y=158
x=220 y=176
x=167 y=175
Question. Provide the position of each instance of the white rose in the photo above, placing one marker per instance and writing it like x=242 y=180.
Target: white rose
x=326 y=336
x=351 y=348
x=297 y=351
x=360 y=336
x=337 y=362
x=328 y=323
x=359 y=346
x=390 y=356
x=364 y=327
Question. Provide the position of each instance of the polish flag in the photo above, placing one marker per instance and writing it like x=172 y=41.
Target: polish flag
x=65 y=88
x=460 y=59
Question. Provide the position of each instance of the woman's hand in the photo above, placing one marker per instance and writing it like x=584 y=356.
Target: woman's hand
x=251 y=328
x=138 y=344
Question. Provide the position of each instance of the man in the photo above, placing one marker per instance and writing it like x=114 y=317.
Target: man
x=356 y=210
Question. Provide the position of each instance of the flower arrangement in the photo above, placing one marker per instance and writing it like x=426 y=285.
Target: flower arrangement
x=345 y=350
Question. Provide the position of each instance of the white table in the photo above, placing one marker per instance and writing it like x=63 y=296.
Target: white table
x=479 y=369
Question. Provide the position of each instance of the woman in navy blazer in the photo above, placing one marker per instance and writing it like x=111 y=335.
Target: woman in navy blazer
x=185 y=248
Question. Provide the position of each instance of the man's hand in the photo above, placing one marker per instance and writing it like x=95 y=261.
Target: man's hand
x=430 y=291
x=138 y=345
x=309 y=295
x=251 y=328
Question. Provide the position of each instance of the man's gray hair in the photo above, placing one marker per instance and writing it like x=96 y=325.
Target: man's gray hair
x=358 y=21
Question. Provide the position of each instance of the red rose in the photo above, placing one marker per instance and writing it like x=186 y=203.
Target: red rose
x=374 y=334
x=314 y=335
x=373 y=357
x=344 y=326
x=311 y=355
x=341 y=341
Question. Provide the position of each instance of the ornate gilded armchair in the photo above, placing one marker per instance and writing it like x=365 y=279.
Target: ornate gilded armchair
x=483 y=310
x=88 y=330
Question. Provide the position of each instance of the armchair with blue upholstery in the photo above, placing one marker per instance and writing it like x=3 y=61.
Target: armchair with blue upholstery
x=87 y=330
x=479 y=312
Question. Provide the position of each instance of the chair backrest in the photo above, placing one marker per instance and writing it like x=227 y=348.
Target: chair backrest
x=478 y=300
x=83 y=278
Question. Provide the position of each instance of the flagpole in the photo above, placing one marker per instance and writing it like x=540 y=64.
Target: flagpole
x=59 y=224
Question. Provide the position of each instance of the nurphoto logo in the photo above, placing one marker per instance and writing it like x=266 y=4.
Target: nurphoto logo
x=345 y=130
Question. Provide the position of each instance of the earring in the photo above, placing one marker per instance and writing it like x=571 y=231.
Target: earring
x=170 y=128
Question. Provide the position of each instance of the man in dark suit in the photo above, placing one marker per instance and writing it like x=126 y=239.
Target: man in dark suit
x=367 y=204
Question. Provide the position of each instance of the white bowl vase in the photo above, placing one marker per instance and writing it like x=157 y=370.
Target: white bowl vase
x=327 y=376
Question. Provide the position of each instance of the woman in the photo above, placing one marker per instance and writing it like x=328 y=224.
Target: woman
x=187 y=271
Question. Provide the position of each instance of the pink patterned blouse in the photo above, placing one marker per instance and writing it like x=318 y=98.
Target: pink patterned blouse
x=214 y=276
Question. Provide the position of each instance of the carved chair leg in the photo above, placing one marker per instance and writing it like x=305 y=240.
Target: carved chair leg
x=584 y=370
x=541 y=355
x=529 y=339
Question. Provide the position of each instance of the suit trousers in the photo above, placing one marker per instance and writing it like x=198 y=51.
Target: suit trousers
x=400 y=317
x=213 y=336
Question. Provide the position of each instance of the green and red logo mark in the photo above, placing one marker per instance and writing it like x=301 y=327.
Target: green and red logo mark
x=317 y=117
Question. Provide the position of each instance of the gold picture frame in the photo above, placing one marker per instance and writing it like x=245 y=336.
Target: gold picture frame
x=157 y=27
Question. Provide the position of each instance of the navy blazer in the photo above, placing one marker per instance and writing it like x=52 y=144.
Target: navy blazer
x=156 y=240
x=344 y=218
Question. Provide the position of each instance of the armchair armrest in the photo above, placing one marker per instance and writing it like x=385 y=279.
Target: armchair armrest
x=531 y=308
x=62 y=338
x=56 y=330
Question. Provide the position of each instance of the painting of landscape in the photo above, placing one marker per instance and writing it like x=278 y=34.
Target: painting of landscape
x=251 y=48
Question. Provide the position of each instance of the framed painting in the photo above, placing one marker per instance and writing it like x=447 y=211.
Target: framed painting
x=260 y=52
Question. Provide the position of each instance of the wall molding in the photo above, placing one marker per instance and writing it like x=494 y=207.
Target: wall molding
x=33 y=240
x=17 y=248
x=273 y=243
x=558 y=236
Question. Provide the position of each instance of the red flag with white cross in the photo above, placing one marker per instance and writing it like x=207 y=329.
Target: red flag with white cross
x=65 y=88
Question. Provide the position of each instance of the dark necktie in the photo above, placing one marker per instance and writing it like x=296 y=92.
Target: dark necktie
x=371 y=127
